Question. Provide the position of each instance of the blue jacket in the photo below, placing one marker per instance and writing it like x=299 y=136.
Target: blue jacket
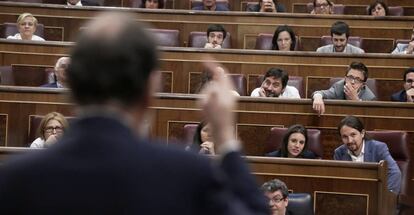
x=376 y=151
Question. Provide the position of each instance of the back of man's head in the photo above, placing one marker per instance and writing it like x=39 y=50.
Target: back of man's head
x=278 y=74
x=112 y=63
x=340 y=28
x=216 y=28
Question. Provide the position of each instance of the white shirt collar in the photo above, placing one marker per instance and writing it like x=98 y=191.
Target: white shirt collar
x=360 y=157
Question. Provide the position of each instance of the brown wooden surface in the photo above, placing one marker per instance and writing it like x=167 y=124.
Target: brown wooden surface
x=360 y=186
x=243 y=26
x=182 y=66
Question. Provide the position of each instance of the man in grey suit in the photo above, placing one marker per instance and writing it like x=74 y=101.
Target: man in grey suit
x=339 y=35
x=405 y=48
x=352 y=87
x=357 y=147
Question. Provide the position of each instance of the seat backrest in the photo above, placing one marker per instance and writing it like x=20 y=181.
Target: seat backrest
x=398 y=147
x=264 y=42
x=356 y=41
x=166 y=37
x=34 y=123
x=371 y=83
x=198 y=39
x=300 y=204
x=138 y=3
x=294 y=81
x=337 y=8
x=196 y=3
x=6 y=75
x=10 y=29
x=30 y=76
x=240 y=83
x=275 y=140
x=395 y=11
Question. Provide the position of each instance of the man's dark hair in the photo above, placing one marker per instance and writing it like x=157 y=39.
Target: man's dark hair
x=409 y=70
x=160 y=4
x=278 y=73
x=279 y=30
x=216 y=27
x=275 y=185
x=340 y=28
x=360 y=67
x=112 y=65
x=375 y=3
x=353 y=122
x=329 y=3
x=261 y=2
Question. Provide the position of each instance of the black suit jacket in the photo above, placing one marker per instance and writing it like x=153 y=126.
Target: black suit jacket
x=101 y=167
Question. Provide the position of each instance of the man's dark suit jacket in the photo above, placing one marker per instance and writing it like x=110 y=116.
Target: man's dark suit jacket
x=399 y=96
x=100 y=167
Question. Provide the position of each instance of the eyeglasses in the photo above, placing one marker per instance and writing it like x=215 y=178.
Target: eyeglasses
x=409 y=81
x=276 y=199
x=351 y=79
x=58 y=129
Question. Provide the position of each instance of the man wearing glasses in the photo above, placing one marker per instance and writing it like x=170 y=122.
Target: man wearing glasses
x=322 y=7
x=352 y=87
x=277 y=193
x=407 y=94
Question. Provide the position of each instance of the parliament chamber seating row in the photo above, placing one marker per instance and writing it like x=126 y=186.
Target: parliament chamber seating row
x=240 y=5
x=182 y=65
x=254 y=116
x=62 y=23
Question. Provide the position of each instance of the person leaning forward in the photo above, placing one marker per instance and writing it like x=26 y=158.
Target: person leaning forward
x=102 y=165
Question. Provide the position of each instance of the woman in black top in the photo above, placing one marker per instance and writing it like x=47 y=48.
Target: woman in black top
x=295 y=144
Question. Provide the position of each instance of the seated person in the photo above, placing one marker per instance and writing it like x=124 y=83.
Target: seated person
x=340 y=34
x=272 y=6
x=26 y=24
x=277 y=194
x=403 y=48
x=152 y=4
x=352 y=87
x=205 y=78
x=50 y=129
x=215 y=36
x=60 y=73
x=275 y=85
x=322 y=7
x=407 y=94
x=211 y=5
x=378 y=8
x=81 y=3
x=203 y=140
x=357 y=147
x=284 y=39
x=295 y=144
